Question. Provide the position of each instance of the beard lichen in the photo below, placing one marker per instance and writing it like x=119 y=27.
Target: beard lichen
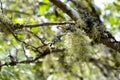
x=95 y=34
x=77 y=46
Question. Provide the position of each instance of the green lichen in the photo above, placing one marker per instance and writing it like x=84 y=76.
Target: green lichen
x=95 y=34
x=77 y=46
x=80 y=23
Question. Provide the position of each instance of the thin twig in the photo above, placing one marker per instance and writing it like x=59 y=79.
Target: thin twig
x=41 y=55
x=42 y=41
x=16 y=11
x=20 y=26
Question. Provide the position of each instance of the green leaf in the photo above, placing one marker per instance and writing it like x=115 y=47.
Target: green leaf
x=43 y=7
x=19 y=20
x=35 y=29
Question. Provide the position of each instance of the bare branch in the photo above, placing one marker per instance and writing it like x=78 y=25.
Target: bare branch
x=41 y=55
x=20 y=26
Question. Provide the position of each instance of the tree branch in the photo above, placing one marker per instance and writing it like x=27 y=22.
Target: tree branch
x=41 y=55
x=107 y=40
x=20 y=26
x=71 y=12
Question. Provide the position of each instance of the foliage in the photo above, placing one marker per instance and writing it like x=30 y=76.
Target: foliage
x=65 y=52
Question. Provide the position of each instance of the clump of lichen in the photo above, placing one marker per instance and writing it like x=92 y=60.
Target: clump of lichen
x=95 y=34
x=80 y=23
x=77 y=46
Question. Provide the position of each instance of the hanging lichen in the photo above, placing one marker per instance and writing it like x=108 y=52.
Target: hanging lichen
x=77 y=46
x=95 y=34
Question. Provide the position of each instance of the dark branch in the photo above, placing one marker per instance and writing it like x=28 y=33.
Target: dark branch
x=20 y=26
x=71 y=12
x=41 y=55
